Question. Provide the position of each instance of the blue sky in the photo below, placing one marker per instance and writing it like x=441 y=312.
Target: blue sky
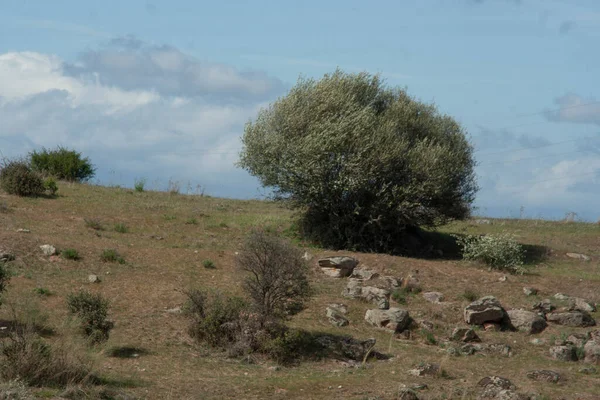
x=161 y=89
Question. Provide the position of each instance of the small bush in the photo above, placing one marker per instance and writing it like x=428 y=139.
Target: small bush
x=50 y=186
x=63 y=164
x=4 y=278
x=400 y=295
x=429 y=337
x=42 y=291
x=111 y=255
x=276 y=278
x=94 y=224
x=16 y=177
x=139 y=185
x=70 y=254
x=470 y=295
x=209 y=264
x=500 y=252
x=191 y=221
x=92 y=311
x=121 y=228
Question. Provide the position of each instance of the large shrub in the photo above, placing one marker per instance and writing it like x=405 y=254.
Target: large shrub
x=501 y=251
x=276 y=275
x=16 y=177
x=63 y=164
x=92 y=311
x=361 y=160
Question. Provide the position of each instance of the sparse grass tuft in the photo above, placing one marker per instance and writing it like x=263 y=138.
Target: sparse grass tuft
x=42 y=291
x=470 y=295
x=121 y=228
x=139 y=184
x=94 y=223
x=70 y=254
x=191 y=221
x=208 y=264
x=400 y=295
x=169 y=217
x=111 y=255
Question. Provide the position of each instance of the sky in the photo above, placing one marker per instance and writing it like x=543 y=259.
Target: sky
x=161 y=90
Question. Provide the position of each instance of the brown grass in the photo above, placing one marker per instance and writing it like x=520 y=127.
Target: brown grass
x=164 y=258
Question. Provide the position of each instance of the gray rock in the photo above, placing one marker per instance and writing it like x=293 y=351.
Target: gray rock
x=433 y=297
x=353 y=289
x=496 y=382
x=526 y=321
x=94 y=278
x=364 y=273
x=338 y=267
x=577 y=339
x=339 y=307
x=22 y=230
x=529 y=291
x=347 y=347
x=571 y=318
x=48 y=249
x=394 y=319
x=591 y=352
x=378 y=296
x=391 y=282
x=465 y=335
x=537 y=342
x=336 y=317
x=425 y=369
x=483 y=221
x=544 y=307
x=498 y=388
x=578 y=256
x=486 y=309
x=563 y=353
x=579 y=304
x=544 y=375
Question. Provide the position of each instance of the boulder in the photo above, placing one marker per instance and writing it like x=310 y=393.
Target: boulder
x=571 y=318
x=353 y=289
x=578 y=256
x=378 y=296
x=577 y=339
x=465 y=335
x=93 y=278
x=526 y=321
x=591 y=352
x=394 y=319
x=563 y=353
x=579 y=304
x=391 y=282
x=433 y=297
x=336 y=316
x=338 y=267
x=544 y=307
x=364 y=273
x=347 y=347
x=544 y=375
x=48 y=249
x=498 y=388
x=425 y=369
x=486 y=309
x=529 y=291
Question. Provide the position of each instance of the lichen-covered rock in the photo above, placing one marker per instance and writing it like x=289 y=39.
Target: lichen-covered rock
x=425 y=369
x=336 y=316
x=571 y=318
x=394 y=319
x=563 y=353
x=364 y=273
x=486 y=309
x=526 y=321
x=544 y=375
x=592 y=352
x=433 y=297
x=339 y=266
x=465 y=335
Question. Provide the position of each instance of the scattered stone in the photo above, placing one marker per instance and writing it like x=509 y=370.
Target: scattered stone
x=591 y=352
x=571 y=318
x=394 y=319
x=503 y=278
x=336 y=317
x=578 y=256
x=347 y=347
x=529 y=291
x=496 y=382
x=577 y=339
x=355 y=290
x=94 y=278
x=338 y=307
x=22 y=230
x=499 y=389
x=544 y=307
x=407 y=394
x=364 y=273
x=486 y=309
x=338 y=267
x=544 y=375
x=537 y=342
x=526 y=321
x=391 y=282
x=563 y=353
x=492 y=327
x=426 y=325
x=5 y=256
x=174 y=310
x=561 y=296
x=307 y=256
x=465 y=335
x=433 y=297
x=588 y=370
x=495 y=348
x=425 y=369
x=48 y=249
x=483 y=221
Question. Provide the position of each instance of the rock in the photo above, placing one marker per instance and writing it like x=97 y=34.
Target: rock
x=571 y=318
x=537 y=342
x=21 y=230
x=526 y=321
x=425 y=369
x=339 y=307
x=529 y=291
x=496 y=382
x=394 y=319
x=544 y=375
x=174 y=310
x=588 y=370
x=94 y=278
x=563 y=353
x=338 y=267
x=465 y=335
x=355 y=290
x=407 y=394
x=492 y=327
x=483 y=221
x=577 y=339
x=5 y=256
x=486 y=309
x=347 y=347
x=544 y=307
x=578 y=256
x=336 y=317
x=48 y=249
x=591 y=352
x=495 y=348
x=364 y=273
x=579 y=304
x=433 y=297
x=307 y=256
x=498 y=388
x=391 y=282
x=503 y=278
x=561 y=296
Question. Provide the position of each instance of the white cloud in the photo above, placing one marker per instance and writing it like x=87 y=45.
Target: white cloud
x=577 y=109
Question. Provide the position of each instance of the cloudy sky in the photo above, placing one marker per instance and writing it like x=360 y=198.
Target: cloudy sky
x=161 y=89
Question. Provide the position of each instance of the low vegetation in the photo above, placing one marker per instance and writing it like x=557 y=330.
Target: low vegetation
x=63 y=164
x=92 y=312
x=70 y=254
x=501 y=251
x=112 y=256
x=16 y=177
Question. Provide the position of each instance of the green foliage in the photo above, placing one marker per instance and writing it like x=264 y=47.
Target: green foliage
x=191 y=221
x=111 y=255
x=92 y=311
x=42 y=291
x=70 y=254
x=169 y=217
x=94 y=223
x=50 y=186
x=121 y=228
x=361 y=161
x=209 y=264
x=470 y=295
x=291 y=346
x=139 y=184
x=16 y=177
x=63 y=164
x=500 y=252
x=4 y=278
x=429 y=337
x=276 y=275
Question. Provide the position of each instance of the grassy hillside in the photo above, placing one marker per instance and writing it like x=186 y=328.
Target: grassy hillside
x=167 y=238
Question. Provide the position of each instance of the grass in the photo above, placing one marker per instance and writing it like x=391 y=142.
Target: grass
x=121 y=228
x=111 y=256
x=94 y=223
x=70 y=254
x=209 y=264
x=172 y=367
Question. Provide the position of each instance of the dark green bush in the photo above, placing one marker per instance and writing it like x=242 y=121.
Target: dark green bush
x=363 y=162
x=111 y=255
x=63 y=164
x=209 y=264
x=70 y=254
x=16 y=177
x=92 y=311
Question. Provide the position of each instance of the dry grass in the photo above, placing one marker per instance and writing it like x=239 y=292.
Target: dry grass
x=165 y=257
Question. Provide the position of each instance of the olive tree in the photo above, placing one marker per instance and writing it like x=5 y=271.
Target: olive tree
x=362 y=161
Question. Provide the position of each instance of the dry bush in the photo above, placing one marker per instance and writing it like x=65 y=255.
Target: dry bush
x=92 y=311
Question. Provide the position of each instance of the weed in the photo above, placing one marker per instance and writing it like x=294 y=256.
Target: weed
x=42 y=291
x=111 y=255
x=400 y=296
x=93 y=223
x=470 y=295
x=209 y=264
x=4 y=278
x=70 y=254
x=92 y=311
x=174 y=187
x=139 y=184
x=429 y=337
x=169 y=217
x=121 y=228
x=191 y=221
